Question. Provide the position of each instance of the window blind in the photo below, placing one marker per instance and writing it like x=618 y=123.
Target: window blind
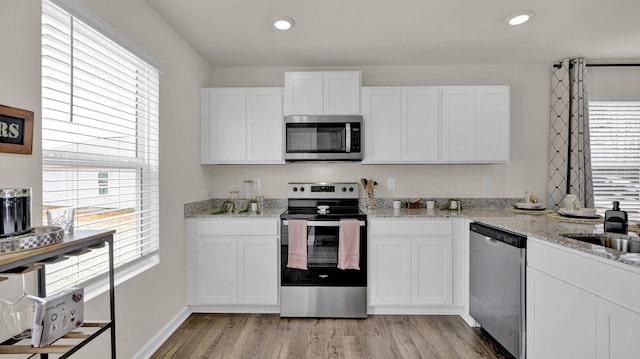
x=99 y=142
x=615 y=154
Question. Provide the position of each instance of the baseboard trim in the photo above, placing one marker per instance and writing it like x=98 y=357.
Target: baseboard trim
x=154 y=344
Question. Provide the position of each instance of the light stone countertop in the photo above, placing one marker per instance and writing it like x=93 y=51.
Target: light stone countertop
x=531 y=225
x=265 y=213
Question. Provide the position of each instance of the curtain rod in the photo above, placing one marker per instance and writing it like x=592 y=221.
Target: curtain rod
x=612 y=65
x=559 y=65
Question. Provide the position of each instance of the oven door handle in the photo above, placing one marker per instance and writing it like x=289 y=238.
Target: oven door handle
x=324 y=223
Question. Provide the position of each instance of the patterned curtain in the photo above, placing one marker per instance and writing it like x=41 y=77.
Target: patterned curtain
x=569 y=146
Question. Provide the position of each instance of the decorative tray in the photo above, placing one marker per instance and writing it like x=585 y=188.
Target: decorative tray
x=36 y=237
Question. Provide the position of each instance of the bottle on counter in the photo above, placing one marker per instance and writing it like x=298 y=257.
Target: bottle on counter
x=615 y=220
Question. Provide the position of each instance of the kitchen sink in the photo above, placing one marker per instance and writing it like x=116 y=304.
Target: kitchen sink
x=619 y=242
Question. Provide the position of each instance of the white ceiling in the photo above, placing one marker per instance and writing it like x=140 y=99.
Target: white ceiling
x=403 y=32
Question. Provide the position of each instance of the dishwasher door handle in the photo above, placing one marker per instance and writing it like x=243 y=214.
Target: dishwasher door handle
x=490 y=241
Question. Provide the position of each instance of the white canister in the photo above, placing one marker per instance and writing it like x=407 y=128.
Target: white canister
x=397 y=204
x=570 y=201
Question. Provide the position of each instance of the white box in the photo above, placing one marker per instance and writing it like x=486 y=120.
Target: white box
x=58 y=315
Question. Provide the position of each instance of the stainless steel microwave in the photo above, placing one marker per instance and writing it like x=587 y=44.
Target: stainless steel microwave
x=323 y=138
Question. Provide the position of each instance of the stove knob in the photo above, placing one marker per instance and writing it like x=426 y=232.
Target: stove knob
x=301 y=189
x=344 y=189
x=295 y=189
x=350 y=189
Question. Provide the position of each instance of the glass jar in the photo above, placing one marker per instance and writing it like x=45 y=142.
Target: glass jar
x=248 y=189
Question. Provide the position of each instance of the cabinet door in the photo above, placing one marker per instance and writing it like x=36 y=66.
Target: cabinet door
x=303 y=93
x=258 y=270
x=390 y=271
x=341 y=93
x=264 y=125
x=223 y=125
x=216 y=271
x=458 y=124
x=561 y=319
x=492 y=123
x=618 y=331
x=432 y=268
x=382 y=124
x=420 y=124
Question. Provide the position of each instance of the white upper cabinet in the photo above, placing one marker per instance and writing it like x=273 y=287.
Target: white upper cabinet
x=241 y=125
x=382 y=124
x=322 y=93
x=475 y=124
x=420 y=114
x=401 y=124
x=452 y=124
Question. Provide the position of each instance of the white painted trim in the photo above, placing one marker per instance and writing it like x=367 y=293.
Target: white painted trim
x=231 y=308
x=154 y=344
x=413 y=310
x=79 y=11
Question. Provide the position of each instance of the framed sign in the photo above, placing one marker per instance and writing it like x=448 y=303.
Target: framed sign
x=16 y=130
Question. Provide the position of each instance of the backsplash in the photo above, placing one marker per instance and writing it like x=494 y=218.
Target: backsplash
x=215 y=203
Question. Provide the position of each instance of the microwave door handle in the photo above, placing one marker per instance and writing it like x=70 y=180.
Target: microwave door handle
x=324 y=223
x=348 y=134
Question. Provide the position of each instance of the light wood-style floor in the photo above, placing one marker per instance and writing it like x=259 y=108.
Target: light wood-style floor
x=378 y=336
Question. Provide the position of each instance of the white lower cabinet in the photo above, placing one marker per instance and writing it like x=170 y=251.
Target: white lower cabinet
x=617 y=331
x=410 y=262
x=562 y=322
x=233 y=263
x=216 y=275
x=580 y=306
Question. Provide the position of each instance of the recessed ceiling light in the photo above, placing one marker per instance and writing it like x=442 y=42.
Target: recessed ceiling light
x=283 y=23
x=519 y=17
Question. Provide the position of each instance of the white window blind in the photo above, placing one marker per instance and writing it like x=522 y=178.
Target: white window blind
x=99 y=142
x=615 y=150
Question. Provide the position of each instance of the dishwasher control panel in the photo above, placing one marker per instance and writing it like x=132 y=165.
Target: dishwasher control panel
x=510 y=238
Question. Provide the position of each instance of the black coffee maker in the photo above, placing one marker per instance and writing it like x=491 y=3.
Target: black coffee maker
x=15 y=211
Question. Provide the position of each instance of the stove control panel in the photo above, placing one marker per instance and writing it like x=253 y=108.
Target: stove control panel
x=322 y=190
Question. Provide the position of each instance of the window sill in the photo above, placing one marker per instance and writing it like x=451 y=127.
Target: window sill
x=122 y=275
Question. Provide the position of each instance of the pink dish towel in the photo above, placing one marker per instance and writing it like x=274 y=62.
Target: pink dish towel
x=349 y=244
x=297 y=244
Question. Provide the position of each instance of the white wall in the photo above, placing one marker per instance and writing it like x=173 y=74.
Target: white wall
x=529 y=136
x=20 y=87
x=147 y=302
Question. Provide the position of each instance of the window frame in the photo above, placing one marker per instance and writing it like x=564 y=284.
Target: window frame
x=99 y=284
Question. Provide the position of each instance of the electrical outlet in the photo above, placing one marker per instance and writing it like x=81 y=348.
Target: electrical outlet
x=486 y=182
x=391 y=183
x=256 y=183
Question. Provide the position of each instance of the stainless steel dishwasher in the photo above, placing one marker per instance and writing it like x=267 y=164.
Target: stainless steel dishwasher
x=497 y=284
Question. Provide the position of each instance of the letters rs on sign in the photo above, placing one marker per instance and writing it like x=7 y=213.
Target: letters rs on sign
x=16 y=130
x=11 y=130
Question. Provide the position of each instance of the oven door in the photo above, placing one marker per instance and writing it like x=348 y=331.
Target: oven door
x=322 y=257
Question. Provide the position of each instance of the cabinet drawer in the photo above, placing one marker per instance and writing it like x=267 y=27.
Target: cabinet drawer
x=411 y=227
x=241 y=227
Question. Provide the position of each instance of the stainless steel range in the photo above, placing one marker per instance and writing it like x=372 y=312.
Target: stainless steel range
x=323 y=258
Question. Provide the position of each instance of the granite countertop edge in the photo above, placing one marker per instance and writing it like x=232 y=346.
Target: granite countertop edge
x=539 y=226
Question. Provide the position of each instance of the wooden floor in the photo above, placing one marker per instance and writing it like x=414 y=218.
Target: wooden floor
x=378 y=336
